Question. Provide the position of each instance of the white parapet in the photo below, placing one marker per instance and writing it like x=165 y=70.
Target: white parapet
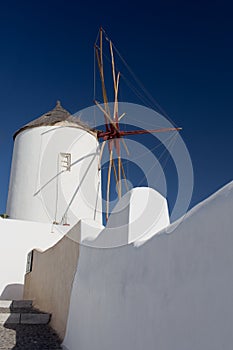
x=18 y=238
x=139 y=215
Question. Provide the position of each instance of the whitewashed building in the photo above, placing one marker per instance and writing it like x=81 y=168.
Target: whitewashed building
x=54 y=173
x=54 y=183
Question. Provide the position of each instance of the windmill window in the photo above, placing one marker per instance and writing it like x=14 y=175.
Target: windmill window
x=65 y=161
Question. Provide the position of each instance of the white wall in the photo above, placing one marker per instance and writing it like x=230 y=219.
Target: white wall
x=50 y=282
x=40 y=191
x=17 y=239
x=173 y=292
x=139 y=214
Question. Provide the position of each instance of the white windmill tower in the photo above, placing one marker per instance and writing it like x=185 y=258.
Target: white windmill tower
x=54 y=173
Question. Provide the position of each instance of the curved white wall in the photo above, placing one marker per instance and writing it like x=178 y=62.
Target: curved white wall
x=17 y=239
x=139 y=214
x=40 y=191
x=173 y=292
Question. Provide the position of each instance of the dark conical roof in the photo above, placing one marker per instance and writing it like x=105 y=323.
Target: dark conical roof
x=53 y=117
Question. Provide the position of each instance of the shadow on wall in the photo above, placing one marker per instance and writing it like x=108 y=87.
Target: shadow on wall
x=12 y=291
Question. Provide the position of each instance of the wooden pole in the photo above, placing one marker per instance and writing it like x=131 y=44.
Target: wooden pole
x=108 y=185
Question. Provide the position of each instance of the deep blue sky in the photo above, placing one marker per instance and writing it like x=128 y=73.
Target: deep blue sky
x=182 y=51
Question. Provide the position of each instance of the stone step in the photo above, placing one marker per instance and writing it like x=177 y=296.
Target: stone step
x=16 y=304
x=24 y=318
x=21 y=312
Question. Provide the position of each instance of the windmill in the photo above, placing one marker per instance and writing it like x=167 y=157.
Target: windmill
x=113 y=135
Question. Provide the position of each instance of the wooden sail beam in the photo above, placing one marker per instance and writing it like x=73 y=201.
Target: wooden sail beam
x=100 y=66
x=118 y=152
x=101 y=49
x=141 y=132
x=119 y=176
x=108 y=185
x=119 y=133
x=99 y=56
x=113 y=66
x=123 y=172
x=103 y=86
x=116 y=101
x=115 y=175
x=125 y=146
x=115 y=84
x=121 y=116
x=107 y=115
